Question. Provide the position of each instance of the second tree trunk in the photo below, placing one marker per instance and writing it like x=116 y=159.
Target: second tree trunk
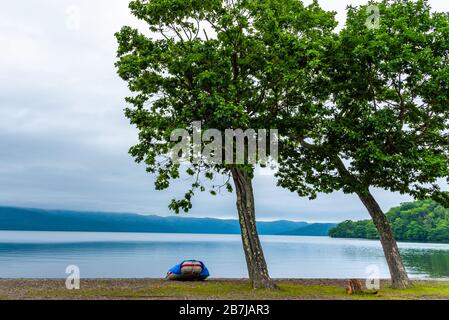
x=399 y=278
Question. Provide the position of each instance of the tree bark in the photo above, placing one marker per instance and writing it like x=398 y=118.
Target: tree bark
x=255 y=260
x=399 y=278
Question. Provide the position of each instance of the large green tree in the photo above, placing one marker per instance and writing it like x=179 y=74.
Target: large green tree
x=234 y=64
x=385 y=121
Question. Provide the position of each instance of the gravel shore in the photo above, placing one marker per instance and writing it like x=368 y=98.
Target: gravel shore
x=93 y=289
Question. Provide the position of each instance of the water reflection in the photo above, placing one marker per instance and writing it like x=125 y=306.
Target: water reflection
x=111 y=255
x=434 y=263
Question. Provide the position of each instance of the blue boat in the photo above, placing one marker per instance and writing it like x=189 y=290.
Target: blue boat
x=188 y=270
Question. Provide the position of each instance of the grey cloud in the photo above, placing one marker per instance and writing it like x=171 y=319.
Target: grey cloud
x=63 y=136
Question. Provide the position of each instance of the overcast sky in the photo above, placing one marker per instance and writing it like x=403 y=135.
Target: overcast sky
x=64 y=138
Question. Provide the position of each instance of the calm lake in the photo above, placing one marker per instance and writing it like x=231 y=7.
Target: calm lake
x=136 y=255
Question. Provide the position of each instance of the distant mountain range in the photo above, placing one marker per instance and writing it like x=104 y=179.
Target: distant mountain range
x=23 y=219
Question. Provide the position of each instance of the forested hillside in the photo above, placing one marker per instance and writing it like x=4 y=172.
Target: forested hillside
x=411 y=221
x=23 y=219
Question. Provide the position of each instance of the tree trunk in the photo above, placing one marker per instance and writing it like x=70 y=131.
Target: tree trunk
x=398 y=274
x=255 y=260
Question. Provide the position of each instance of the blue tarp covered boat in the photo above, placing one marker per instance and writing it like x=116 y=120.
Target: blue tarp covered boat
x=188 y=270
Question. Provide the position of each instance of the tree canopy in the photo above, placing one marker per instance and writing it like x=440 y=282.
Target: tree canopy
x=228 y=64
x=386 y=116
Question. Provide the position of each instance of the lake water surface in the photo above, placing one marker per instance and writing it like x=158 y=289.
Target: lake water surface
x=137 y=255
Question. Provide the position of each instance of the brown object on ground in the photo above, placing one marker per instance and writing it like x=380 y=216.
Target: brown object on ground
x=354 y=286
